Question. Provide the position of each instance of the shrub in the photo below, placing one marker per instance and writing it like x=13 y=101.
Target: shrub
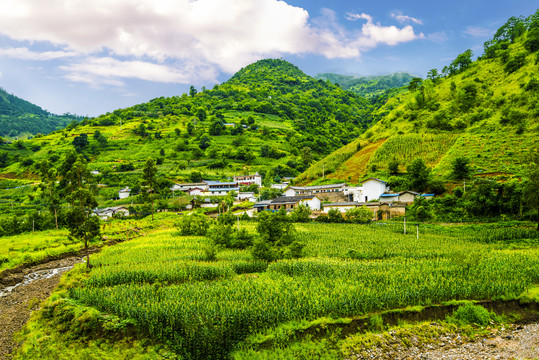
x=470 y=314
x=358 y=215
x=195 y=224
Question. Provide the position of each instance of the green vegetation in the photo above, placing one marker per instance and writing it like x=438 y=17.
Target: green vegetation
x=165 y=285
x=21 y=119
x=481 y=110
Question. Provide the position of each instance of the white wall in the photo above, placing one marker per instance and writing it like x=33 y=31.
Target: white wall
x=372 y=190
x=290 y=192
x=314 y=203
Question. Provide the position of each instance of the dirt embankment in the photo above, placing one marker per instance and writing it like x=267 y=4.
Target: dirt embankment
x=17 y=305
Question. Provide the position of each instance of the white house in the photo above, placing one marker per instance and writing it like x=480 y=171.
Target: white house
x=311 y=190
x=246 y=180
x=195 y=191
x=281 y=186
x=245 y=195
x=289 y=203
x=217 y=188
x=107 y=213
x=124 y=193
x=94 y=172
x=372 y=189
x=188 y=186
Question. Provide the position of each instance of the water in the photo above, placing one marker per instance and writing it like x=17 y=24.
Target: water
x=38 y=275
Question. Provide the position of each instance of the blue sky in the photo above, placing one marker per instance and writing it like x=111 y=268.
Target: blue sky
x=92 y=57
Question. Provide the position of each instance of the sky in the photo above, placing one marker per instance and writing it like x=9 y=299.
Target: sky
x=92 y=57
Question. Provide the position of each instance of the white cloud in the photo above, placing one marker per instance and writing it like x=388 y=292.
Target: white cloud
x=110 y=71
x=477 y=31
x=24 y=53
x=405 y=19
x=221 y=35
x=372 y=33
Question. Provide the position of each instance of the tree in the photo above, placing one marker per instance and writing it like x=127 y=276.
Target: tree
x=149 y=180
x=85 y=227
x=461 y=62
x=192 y=91
x=460 y=168
x=433 y=75
x=302 y=213
x=80 y=142
x=415 y=83
x=48 y=186
x=418 y=174
x=82 y=225
x=393 y=167
x=358 y=215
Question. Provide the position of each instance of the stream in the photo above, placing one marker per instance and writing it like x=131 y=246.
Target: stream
x=37 y=275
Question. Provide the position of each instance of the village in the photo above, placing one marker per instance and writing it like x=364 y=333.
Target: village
x=373 y=194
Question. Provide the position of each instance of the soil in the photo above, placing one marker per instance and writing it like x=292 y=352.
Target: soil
x=511 y=343
x=17 y=305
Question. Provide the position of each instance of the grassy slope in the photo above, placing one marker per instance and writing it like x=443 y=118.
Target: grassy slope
x=493 y=149
x=296 y=110
x=207 y=302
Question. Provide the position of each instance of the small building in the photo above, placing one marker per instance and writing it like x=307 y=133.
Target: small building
x=124 y=193
x=188 y=186
x=372 y=189
x=218 y=188
x=341 y=206
x=245 y=196
x=246 y=180
x=312 y=190
x=281 y=186
x=109 y=212
x=94 y=172
x=194 y=191
x=389 y=198
x=289 y=203
x=427 y=196
x=407 y=196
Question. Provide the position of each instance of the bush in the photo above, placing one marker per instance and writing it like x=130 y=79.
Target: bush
x=195 y=224
x=358 y=215
x=301 y=213
x=470 y=314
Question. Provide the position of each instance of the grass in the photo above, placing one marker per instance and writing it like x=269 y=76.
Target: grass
x=202 y=309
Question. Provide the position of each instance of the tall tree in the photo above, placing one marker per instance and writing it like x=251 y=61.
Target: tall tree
x=48 y=187
x=149 y=180
x=460 y=168
x=418 y=174
x=82 y=226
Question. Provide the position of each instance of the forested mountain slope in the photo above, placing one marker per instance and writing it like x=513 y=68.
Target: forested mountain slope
x=19 y=117
x=269 y=117
x=485 y=111
x=369 y=86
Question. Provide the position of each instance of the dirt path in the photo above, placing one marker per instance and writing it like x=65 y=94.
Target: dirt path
x=17 y=304
x=516 y=342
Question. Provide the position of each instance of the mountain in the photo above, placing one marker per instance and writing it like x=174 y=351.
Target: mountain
x=369 y=86
x=484 y=111
x=20 y=118
x=269 y=118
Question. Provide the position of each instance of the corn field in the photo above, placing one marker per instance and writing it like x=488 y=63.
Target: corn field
x=206 y=308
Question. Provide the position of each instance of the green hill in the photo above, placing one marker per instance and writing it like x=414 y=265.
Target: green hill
x=20 y=118
x=483 y=110
x=269 y=117
x=369 y=86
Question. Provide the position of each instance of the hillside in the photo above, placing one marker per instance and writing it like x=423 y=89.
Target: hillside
x=484 y=110
x=269 y=118
x=369 y=86
x=20 y=118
